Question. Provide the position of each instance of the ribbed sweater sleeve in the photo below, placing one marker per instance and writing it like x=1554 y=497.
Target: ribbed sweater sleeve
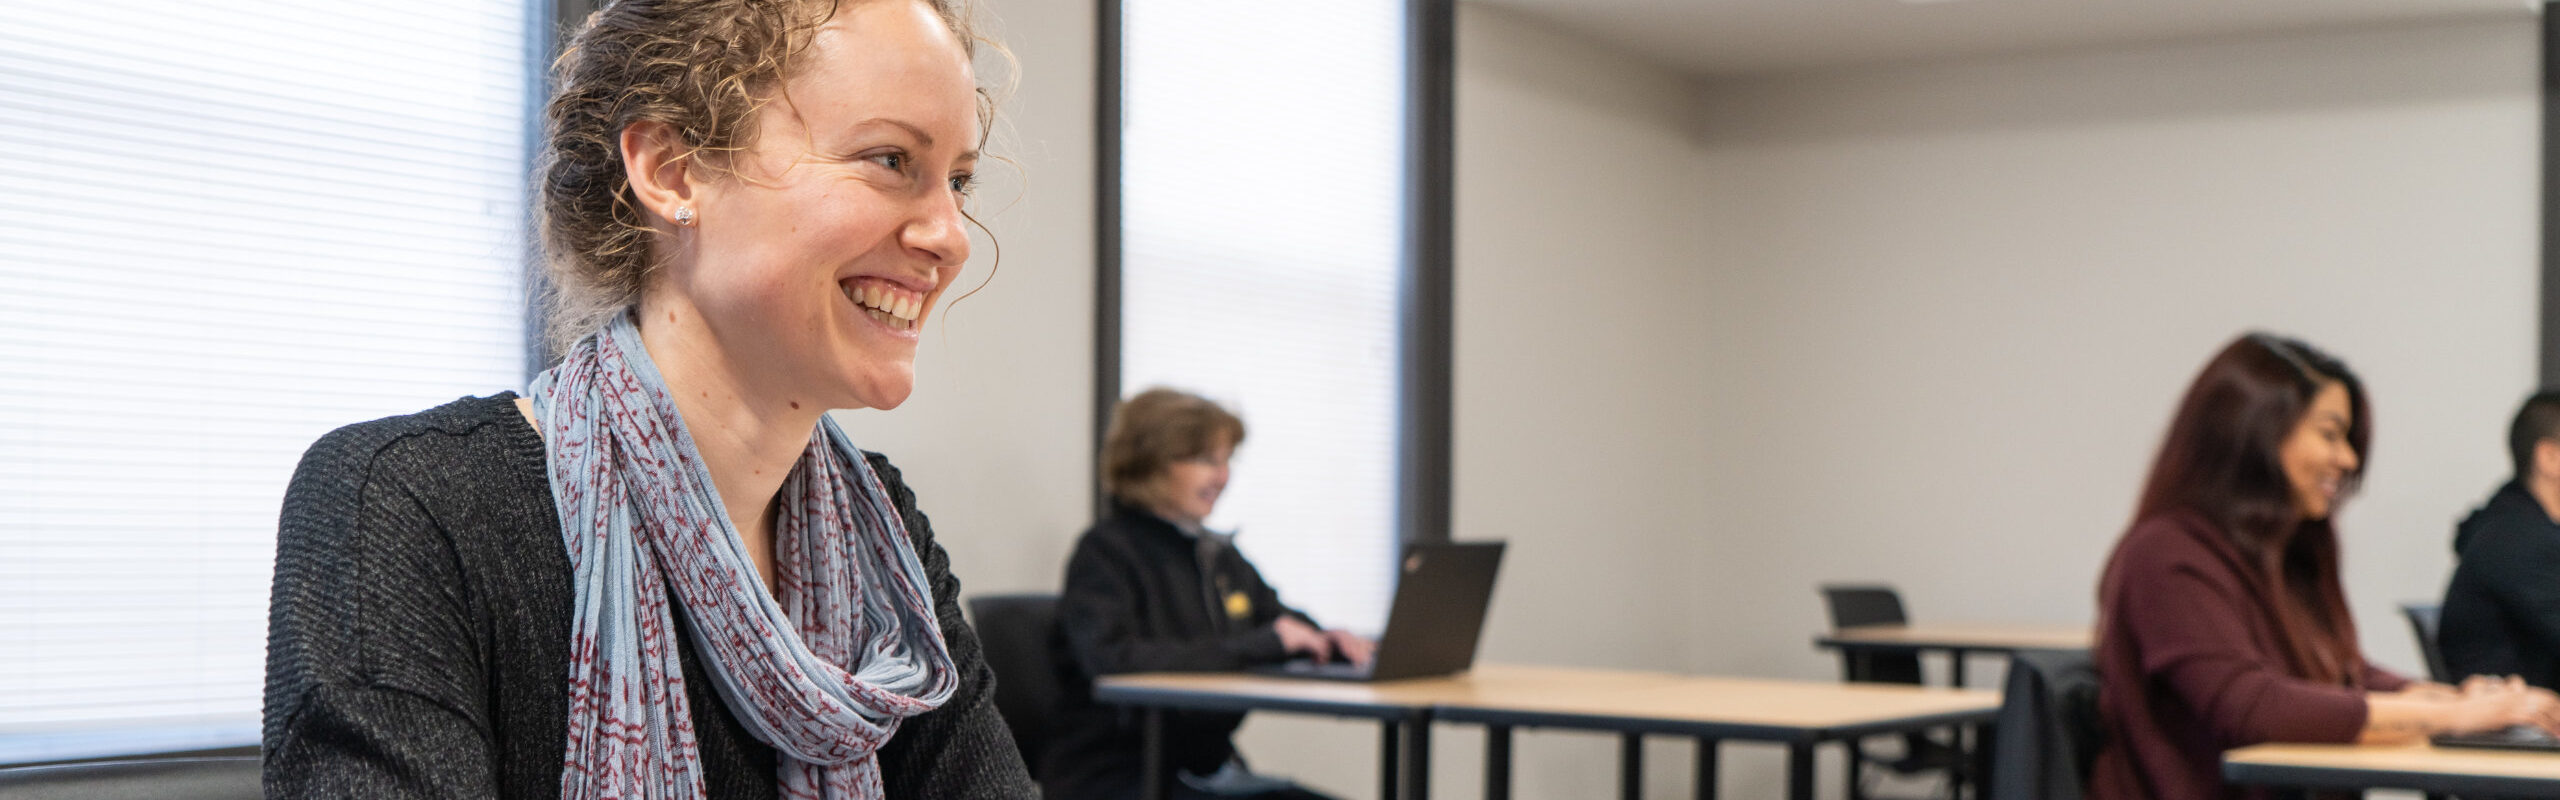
x=2189 y=614
x=374 y=686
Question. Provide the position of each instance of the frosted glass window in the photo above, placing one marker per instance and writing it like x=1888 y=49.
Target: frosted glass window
x=225 y=229
x=1262 y=187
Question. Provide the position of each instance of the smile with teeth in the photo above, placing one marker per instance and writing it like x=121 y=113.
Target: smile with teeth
x=893 y=305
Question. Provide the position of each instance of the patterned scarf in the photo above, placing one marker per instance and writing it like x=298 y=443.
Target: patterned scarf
x=824 y=676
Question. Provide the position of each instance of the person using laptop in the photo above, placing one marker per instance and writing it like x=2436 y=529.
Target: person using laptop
x=1149 y=589
x=2221 y=619
x=2502 y=609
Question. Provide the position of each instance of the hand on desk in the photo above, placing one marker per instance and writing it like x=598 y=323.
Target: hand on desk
x=1353 y=647
x=1299 y=638
x=2491 y=703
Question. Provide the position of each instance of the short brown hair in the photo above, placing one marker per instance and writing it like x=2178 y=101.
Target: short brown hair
x=1156 y=428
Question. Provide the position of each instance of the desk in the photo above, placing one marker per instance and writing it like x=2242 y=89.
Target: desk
x=1799 y=714
x=2422 y=767
x=1958 y=640
x=1402 y=709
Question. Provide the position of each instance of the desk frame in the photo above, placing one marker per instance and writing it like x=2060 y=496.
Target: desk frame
x=1404 y=732
x=1799 y=741
x=2244 y=770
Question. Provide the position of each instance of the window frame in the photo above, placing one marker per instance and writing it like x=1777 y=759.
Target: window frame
x=1424 y=303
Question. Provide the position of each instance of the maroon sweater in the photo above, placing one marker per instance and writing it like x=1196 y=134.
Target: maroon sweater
x=2190 y=664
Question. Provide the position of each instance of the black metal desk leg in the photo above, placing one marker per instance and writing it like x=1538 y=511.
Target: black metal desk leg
x=1151 y=779
x=1955 y=735
x=1983 y=736
x=1856 y=761
x=1706 y=788
x=1631 y=766
x=1497 y=762
x=1417 y=758
x=1800 y=771
x=1389 y=736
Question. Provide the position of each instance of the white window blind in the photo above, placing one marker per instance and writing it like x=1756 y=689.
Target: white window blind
x=225 y=229
x=1261 y=182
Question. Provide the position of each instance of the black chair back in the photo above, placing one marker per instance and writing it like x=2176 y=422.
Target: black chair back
x=2423 y=619
x=1018 y=632
x=212 y=778
x=1870 y=604
x=2048 y=732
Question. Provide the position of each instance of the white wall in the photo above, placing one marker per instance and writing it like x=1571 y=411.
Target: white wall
x=1921 y=324
x=997 y=438
x=1966 y=296
x=1924 y=323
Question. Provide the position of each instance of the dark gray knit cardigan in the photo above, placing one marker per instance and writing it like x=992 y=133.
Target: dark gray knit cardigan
x=418 y=643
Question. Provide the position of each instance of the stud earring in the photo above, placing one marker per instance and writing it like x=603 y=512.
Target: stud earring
x=684 y=215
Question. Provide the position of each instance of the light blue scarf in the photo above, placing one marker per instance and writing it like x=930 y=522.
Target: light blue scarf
x=824 y=675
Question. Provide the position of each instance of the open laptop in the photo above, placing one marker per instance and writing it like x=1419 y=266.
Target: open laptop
x=2521 y=737
x=1442 y=590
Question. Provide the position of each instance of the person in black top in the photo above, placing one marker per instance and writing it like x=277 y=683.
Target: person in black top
x=758 y=204
x=1150 y=590
x=2502 y=610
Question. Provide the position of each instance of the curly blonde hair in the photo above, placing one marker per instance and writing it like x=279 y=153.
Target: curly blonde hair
x=701 y=67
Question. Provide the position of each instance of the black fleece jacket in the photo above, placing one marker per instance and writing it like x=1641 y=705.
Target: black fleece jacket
x=418 y=641
x=2502 y=609
x=1135 y=601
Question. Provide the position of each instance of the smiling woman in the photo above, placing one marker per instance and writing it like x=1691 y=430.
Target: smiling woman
x=665 y=572
x=2220 y=616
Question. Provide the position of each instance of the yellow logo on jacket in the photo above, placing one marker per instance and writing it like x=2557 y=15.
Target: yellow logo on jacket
x=1239 y=606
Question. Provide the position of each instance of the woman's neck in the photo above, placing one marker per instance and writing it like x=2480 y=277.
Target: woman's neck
x=748 y=435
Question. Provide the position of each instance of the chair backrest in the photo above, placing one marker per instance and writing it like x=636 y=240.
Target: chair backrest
x=2048 y=732
x=210 y=778
x=1017 y=632
x=1852 y=605
x=2423 y=618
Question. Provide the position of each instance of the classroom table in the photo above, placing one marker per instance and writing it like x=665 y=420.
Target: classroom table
x=2421 y=767
x=1957 y=640
x=1401 y=708
x=1798 y=714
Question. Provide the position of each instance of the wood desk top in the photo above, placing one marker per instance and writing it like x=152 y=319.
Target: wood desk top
x=1241 y=691
x=1963 y=636
x=1743 y=708
x=2422 y=767
x=1622 y=700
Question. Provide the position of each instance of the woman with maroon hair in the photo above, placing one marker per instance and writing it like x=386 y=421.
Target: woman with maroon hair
x=2221 y=622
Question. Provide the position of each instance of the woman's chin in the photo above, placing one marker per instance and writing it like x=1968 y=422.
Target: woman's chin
x=882 y=392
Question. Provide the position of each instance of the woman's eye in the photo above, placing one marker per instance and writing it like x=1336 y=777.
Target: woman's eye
x=894 y=161
x=961 y=184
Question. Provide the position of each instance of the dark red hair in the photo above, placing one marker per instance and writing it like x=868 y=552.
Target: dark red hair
x=2222 y=460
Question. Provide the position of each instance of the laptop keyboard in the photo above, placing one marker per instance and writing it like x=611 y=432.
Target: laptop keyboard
x=2521 y=737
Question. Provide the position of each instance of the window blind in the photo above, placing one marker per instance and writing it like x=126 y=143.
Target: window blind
x=1261 y=185
x=225 y=229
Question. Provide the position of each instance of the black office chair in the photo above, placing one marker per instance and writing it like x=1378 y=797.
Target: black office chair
x=208 y=778
x=1853 y=605
x=2048 y=733
x=2423 y=619
x=1017 y=632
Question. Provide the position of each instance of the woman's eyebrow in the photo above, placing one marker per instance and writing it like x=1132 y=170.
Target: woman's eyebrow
x=923 y=139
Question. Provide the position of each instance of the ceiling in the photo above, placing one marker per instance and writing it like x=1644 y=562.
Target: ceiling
x=1709 y=38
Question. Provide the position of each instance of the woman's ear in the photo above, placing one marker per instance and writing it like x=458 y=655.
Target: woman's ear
x=655 y=161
